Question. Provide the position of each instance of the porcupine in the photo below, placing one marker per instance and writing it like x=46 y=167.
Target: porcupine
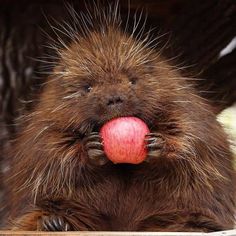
x=60 y=178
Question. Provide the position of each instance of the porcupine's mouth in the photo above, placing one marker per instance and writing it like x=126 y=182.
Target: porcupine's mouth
x=94 y=125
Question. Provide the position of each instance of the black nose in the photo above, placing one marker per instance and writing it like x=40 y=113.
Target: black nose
x=114 y=100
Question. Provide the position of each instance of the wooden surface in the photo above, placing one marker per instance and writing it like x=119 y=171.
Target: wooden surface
x=225 y=233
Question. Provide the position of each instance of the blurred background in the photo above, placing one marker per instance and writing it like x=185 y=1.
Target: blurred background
x=199 y=35
x=228 y=120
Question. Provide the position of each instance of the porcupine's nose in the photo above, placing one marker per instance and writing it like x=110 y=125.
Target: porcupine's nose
x=114 y=100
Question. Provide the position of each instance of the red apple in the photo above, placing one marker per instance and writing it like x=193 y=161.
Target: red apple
x=123 y=140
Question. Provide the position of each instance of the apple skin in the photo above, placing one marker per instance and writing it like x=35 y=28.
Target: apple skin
x=124 y=140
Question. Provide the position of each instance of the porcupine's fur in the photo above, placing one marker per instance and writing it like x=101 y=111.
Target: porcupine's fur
x=59 y=177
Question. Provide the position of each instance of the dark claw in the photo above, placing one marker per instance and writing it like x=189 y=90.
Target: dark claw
x=54 y=223
x=94 y=133
x=67 y=227
x=94 y=145
x=94 y=148
x=47 y=224
x=153 y=135
x=151 y=139
x=94 y=153
x=155 y=143
x=94 y=136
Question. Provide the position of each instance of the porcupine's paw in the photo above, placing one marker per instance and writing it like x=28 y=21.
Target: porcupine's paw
x=95 y=150
x=53 y=223
x=154 y=144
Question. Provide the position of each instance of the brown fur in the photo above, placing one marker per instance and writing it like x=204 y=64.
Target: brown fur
x=189 y=186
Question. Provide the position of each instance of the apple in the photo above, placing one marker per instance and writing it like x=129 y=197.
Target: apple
x=124 y=140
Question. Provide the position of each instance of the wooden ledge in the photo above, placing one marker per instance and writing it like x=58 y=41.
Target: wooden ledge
x=33 y=233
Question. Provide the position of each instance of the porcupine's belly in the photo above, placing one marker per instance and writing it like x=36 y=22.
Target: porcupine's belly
x=122 y=201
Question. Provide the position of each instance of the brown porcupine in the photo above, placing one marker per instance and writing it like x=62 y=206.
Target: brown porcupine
x=60 y=178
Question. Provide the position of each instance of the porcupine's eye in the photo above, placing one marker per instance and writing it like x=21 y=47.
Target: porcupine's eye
x=87 y=88
x=133 y=80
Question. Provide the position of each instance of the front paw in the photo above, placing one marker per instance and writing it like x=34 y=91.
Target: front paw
x=53 y=223
x=94 y=148
x=154 y=144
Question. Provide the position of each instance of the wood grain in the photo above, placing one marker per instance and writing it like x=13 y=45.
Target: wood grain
x=26 y=233
x=2 y=233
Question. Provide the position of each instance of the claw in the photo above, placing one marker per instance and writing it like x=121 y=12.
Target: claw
x=94 y=145
x=154 y=140
x=94 y=133
x=94 y=136
x=54 y=223
x=95 y=153
x=153 y=135
x=151 y=139
x=67 y=227
x=47 y=226
x=154 y=144
x=94 y=148
x=60 y=221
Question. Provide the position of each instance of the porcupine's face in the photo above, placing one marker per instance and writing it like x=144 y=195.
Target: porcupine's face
x=108 y=73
